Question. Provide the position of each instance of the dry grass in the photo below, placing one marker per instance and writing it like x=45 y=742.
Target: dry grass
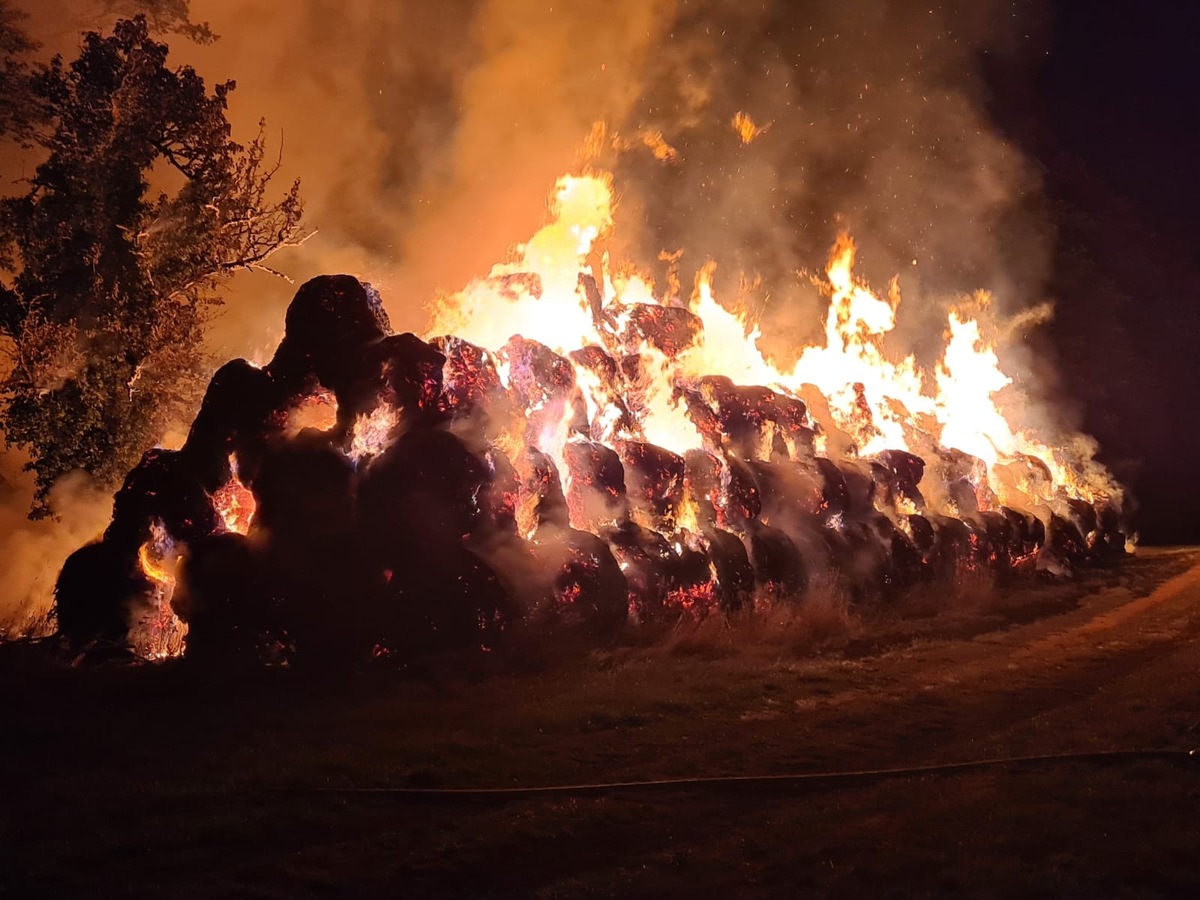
x=151 y=781
x=971 y=590
x=823 y=617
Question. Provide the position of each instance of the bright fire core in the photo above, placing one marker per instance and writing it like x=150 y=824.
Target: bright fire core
x=874 y=403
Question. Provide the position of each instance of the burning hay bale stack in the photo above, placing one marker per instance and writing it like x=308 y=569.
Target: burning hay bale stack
x=369 y=494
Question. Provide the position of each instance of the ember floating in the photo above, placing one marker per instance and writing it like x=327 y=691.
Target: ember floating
x=572 y=452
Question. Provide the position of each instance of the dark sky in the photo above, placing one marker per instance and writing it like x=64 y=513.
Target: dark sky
x=1112 y=115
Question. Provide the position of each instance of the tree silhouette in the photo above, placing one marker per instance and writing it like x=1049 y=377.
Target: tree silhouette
x=142 y=208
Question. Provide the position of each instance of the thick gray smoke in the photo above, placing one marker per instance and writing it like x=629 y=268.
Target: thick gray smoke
x=874 y=120
x=428 y=135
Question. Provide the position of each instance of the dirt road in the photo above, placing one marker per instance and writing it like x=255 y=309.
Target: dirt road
x=170 y=782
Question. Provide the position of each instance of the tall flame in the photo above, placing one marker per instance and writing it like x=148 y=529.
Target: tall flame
x=155 y=631
x=876 y=402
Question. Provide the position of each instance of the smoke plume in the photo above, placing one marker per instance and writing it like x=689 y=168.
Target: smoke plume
x=428 y=135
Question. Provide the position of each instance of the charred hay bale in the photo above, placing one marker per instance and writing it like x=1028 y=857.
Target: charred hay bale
x=227 y=601
x=963 y=498
x=835 y=494
x=867 y=567
x=597 y=361
x=702 y=485
x=596 y=491
x=450 y=599
x=327 y=323
x=735 y=574
x=999 y=541
x=860 y=489
x=654 y=477
x=707 y=422
x=753 y=422
x=542 y=385
x=649 y=565
x=838 y=552
x=738 y=500
x=1065 y=549
x=794 y=435
x=1084 y=515
x=779 y=568
x=472 y=392
x=743 y=413
x=957 y=547
x=522 y=573
x=632 y=368
x=906 y=564
x=693 y=588
x=499 y=498
x=237 y=405
x=322 y=598
x=939 y=559
x=93 y=593
x=962 y=480
x=541 y=500
x=923 y=535
x=587 y=588
x=312 y=566
x=669 y=329
x=1027 y=534
x=609 y=390
x=470 y=378
x=791 y=501
x=1110 y=536
x=422 y=492
x=872 y=559
x=413 y=371
x=304 y=491
x=901 y=474
x=399 y=372
x=924 y=539
x=1037 y=532
x=790 y=491
x=166 y=486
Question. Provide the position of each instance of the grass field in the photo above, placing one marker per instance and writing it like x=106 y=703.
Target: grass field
x=167 y=781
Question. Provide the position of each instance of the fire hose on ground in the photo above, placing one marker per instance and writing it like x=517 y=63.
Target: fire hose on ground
x=716 y=782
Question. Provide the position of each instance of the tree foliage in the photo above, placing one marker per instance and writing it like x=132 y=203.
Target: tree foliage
x=19 y=109
x=163 y=17
x=142 y=208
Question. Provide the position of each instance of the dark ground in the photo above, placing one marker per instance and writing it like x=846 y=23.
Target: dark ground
x=161 y=781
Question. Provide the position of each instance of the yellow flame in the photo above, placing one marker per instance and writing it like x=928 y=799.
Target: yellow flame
x=658 y=145
x=234 y=503
x=155 y=632
x=374 y=431
x=745 y=127
x=876 y=401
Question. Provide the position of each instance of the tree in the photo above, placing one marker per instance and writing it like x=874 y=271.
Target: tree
x=142 y=208
x=163 y=17
x=19 y=109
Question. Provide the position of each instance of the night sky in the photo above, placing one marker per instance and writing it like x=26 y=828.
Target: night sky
x=1111 y=115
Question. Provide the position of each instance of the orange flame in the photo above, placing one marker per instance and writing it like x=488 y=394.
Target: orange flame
x=875 y=400
x=155 y=632
x=745 y=127
x=235 y=503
